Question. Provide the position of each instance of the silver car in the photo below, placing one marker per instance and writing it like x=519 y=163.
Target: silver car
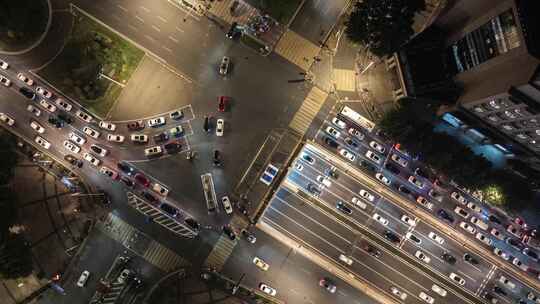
x=224 y=65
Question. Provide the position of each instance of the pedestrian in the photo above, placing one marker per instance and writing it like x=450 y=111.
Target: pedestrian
x=316 y=58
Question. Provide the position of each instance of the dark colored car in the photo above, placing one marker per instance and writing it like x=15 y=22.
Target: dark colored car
x=172 y=211
x=313 y=189
x=127 y=181
x=229 y=232
x=532 y=254
x=223 y=102
x=343 y=208
x=161 y=137
x=404 y=190
x=448 y=258
x=492 y=218
x=28 y=93
x=141 y=179
x=135 y=125
x=177 y=115
x=206 y=125
x=372 y=250
x=421 y=173
x=173 y=146
x=332 y=172
x=498 y=290
x=445 y=216
x=368 y=166
x=330 y=142
x=308 y=158
x=392 y=237
x=351 y=143
x=96 y=149
x=65 y=118
x=53 y=120
x=124 y=168
x=192 y=223
x=469 y=258
x=234 y=32
x=148 y=196
x=73 y=160
x=515 y=243
x=217 y=158
x=393 y=169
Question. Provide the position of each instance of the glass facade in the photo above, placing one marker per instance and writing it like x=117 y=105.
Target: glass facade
x=494 y=38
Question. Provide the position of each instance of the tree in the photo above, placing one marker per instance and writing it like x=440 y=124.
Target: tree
x=15 y=257
x=383 y=26
x=8 y=159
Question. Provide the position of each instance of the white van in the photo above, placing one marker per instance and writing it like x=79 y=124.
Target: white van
x=345 y=259
x=359 y=203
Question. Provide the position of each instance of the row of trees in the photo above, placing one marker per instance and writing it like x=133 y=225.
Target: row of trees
x=412 y=123
x=15 y=254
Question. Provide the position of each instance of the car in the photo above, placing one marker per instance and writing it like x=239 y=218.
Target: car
x=324 y=180
x=139 y=138
x=207 y=125
x=91 y=132
x=127 y=181
x=229 y=232
x=192 y=223
x=348 y=155
x=368 y=166
x=308 y=158
x=413 y=238
x=422 y=257
x=99 y=150
x=83 y=278
x=448 y=258
x=500 y=291
x=71 y=146
x=161 y=137
x=153 y=151
x=109 y=172
x=515 y=231
x=393 y=169
x=445 y=216
x=249 y=237
x=91 y=159
x=356 y=133
x=374 y=157
x=47 y=105
x=459 y=211
x=470 y=259
x=330 y=142
x=124 y=275
x=380 y=219
x=531 y=254
x=375 y=145
x=520 y=222
x=505 y=281
x=135 y=125
x=389 y=235
x=172 y=147
x=401 y=295
x=224 y=65
x=424 y=202
x=491 y=298
x=484 y=239
x=345 y=259
x=366 y=195
x=124 y=168
x=327 y=284
x=223 y=103
x=426 y=298
x=216 y=158
x=383 y=179
x=83 y=116
x=226 y=202
x=260 y=263
x=358 y=202
x=107 y=125
x=142 y=180
x=404 y=190
x=435 y=195
x=28 y=93
x=532 y=297
x=25 y=79
x=400 y=160
x=519 y=264
x=76 y=138
x=492 y=218
x=220 y=126
x=479 y=223
x=170 y=210
x=339 y=123
x=43 y=92
x=437 y=289
x=459 y=198
x=5 y=81
x=331 y=131
x=4 y=65
x=343 y=208
x=150 y=197
x=30 y=108
x=457 y=279
x=156 y=122
x=436 y=238
x=413 y=180
x=351 y=143
x=501 y=253
x=176 y=114
x=178 y=131
x=371 y=250
x=42 y=142
x=496 y=233
x=474 y=207
x=37 y=126
x=115 y=137
x=408 y=220
x=73 y=160
x=267 y=289
x=160 y=189
x=234 y=32
x=470 y=229
x=63 y=105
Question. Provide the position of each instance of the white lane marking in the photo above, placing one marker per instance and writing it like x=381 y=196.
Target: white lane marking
x=116 y=17
x=122 y=8
x=144 y=9
x=156 y=28
x=162 y=19
x=179 y=30
x=173 y=39
x=131 y=26
x=167 y=49
x=139 y=18
x=149 y=38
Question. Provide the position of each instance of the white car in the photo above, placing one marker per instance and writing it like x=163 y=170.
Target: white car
x=459 y=211
x=501 y=253
x=348 y=155
x=71 y=146
x=226 y=202
x=177 y=131
x=3 y=65
x=33 y=110
x=41 y=91
x=400 y=160
x=457 y=279
x=470 y=229
x=64 y=105
x=439 y=290
x=160 y=189
x=380 y=219
x=115 y=137
x=99 y=150
x=375 y=145
x=156 y=122
x=383 y=179
x=83 y=278
x=220 y=125
x=109 y=172
x=333 y=132
x=83 y=116
x=398 y=293
x=339 y=123
x=507 y=282
x=42 y=142
x=139 y=138
x=368 y=196
x=267 y=289
x=356 y=133
x=224 y=65
x=422 y=257
x=405 y=218
x=37 y=126
x=323 y=180
x=374 y=157
x=479 y=223
x=345 y=259
x=424 y=202
x=25 y=79
x=260 y=263
x=47 y=106
x=92 y=159
x=123 y=276
x=91 y=132
x=474 y=207
x=415 y=181
x=107 y=125
x=5 y=81
x=458 y=197
x=426 y=298
x=7 y=119
x=153 y=151
x=484 y=239
x=436 y=238
x=76 y=138
x=520 y=264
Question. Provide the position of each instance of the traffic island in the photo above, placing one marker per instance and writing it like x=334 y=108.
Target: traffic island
x=23 y=24
x=94 y=65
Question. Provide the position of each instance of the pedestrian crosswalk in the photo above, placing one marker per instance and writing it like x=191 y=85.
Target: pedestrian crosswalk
x=297 y=49
x=242 y=13
x=309 y=109
x=221 y=252
x=344 y=80
x=163 y=258
x=113 y=293
x=116 y=228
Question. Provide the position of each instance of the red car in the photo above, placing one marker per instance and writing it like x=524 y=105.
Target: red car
x=223 y=103
x=141 y=179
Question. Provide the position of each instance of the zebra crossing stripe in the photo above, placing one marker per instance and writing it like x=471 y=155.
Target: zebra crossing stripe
x=221 y=252
x=308 y=110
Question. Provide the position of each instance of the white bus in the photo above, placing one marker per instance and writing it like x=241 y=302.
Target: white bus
x=209 y=192
x=360 y=120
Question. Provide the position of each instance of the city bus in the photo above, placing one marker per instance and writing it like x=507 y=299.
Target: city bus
x=354 y=117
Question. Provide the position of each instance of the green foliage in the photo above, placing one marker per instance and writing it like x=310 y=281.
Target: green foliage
x=382 y=25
